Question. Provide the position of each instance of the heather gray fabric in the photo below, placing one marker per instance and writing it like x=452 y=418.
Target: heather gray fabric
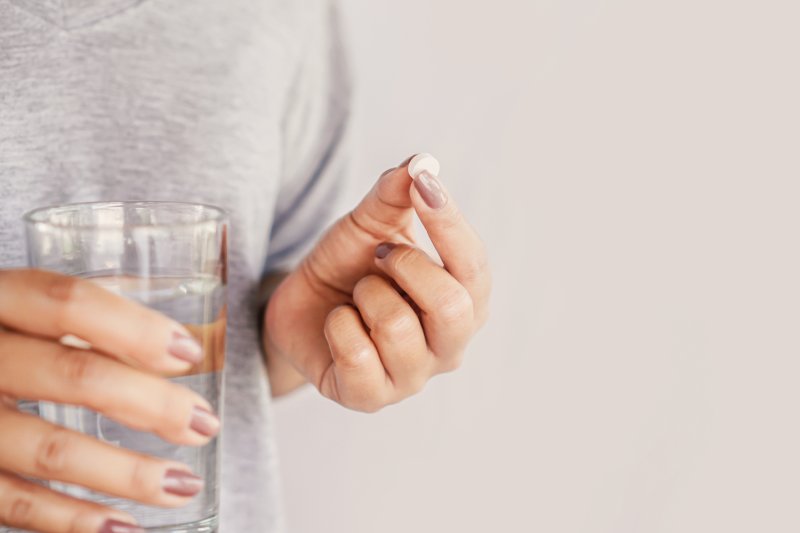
x=241 y=103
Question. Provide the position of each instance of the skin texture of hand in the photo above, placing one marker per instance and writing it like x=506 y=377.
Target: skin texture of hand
x=368 y=317
x=118 y=377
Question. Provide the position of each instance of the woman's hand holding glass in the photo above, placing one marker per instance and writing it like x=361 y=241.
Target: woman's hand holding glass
x=131 y=346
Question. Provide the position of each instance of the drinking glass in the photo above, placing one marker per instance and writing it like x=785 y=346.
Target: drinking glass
x=170 y=257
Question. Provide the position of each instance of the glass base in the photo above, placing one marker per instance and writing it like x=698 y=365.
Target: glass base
x=207 y=525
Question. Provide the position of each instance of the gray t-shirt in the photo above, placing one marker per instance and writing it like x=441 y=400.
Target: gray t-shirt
x=241 y=103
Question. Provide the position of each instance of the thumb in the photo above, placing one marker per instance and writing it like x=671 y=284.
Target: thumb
x=387 y=206
x=346 y=252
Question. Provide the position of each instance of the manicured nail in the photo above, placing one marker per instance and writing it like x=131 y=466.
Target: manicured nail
x=387 y=171
x=421 y=163
x=185 y=347
x=431 y=190
x=383 y=249
x=181 y=483
x=204 y=422
x=115 y=526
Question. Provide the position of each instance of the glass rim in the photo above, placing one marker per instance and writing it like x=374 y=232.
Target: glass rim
x=213 y=214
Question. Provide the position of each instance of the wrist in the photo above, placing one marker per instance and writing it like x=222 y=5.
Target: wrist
x=283 y=377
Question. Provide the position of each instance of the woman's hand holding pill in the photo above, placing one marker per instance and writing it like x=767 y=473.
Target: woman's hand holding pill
x=368 y=317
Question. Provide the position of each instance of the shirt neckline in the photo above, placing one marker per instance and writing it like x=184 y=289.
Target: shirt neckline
x=74 y=14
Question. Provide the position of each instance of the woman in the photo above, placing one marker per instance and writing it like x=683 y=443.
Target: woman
x=243 y=104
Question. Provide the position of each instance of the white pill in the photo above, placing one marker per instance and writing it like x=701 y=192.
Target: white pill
x=422 y=162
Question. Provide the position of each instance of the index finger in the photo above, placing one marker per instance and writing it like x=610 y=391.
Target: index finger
x=456 y=241
x=52 y=305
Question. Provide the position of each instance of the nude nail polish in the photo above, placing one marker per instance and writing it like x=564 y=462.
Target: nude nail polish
x=181 y=483
x=430 y=189
x=185 y=348
x=115 y=526
x=383 y=249
x=204 y=422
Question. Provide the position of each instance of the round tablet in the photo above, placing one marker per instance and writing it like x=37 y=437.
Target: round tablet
x=422 y=162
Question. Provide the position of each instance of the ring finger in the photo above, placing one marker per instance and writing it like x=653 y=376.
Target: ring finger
x=397 y=333
x=32 y=447
x=82 y=377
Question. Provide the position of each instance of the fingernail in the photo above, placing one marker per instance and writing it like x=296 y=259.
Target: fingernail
x=387 y=171
x=115 y=526
x=383 y=249
x=423 y=162
x=431 y=190
x=181 y=483
x=185 y=348
x=204 y=422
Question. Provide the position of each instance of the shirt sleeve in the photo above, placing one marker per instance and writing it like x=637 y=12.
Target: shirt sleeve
x=316 y=141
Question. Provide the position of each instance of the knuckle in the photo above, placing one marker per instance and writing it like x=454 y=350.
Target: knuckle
x=64 y=291
x=454 y=306
x=403 y=258
x=476 y=269
x=354 y=357
x=338 y=318
x=64 y=288
x=53 y=452
x=363 y=285
x=78 y=368
x=395 y=327
x=19 y=511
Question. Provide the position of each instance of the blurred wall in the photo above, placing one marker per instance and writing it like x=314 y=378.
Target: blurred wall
x=634 y=169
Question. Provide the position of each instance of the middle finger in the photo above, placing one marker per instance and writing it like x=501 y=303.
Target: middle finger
x=81 y=377
x=447 y=311
x=396 y=331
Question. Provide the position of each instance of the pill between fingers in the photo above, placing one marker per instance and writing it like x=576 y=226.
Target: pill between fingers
x=423 y=162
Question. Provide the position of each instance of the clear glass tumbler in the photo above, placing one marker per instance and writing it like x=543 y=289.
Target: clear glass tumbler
x=170 y=257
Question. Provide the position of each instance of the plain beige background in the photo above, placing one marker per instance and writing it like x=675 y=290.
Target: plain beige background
x=633 y=166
